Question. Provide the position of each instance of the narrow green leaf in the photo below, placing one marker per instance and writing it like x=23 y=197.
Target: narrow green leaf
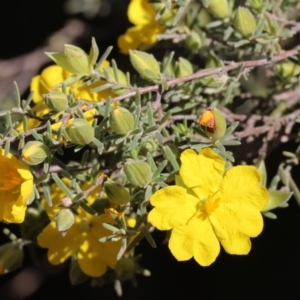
x=94 y=53
x=103 y=57
x=171 y=158
x=276 y=198
x=6 y=147
x=149 y=238
x=47 y=194
x=61 y=185
x=17 y=94
x=122 y=249
x=151 y=121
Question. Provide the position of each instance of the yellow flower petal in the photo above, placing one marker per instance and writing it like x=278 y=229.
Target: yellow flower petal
x=92 y=258
x=35 y=86
x=141 y=12
x=241 y=184
x=59 y=247
x=16 y=186
x=173 y=207
x=195 y=239
x=203 y=171
x=243 y=218
x=236 y=243
x=181 y=243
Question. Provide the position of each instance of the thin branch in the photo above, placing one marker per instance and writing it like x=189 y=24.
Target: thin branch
x=213 y=71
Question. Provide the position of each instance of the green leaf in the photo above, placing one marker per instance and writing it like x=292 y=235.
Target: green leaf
x=263 y=173
x=276 y=198
x=62 y=61
x=149 y=238
x=94 y=53
x=270 y=215
x=61 y=185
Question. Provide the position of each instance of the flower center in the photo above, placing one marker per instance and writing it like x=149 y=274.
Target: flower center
x=211 y=205
x=9 y=180
x=207 y=206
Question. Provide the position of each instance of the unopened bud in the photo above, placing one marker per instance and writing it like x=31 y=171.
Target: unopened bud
x=78 y=59
x=121 y=120
x=64 y=219
x=287 y=69
x=56 y=101
x=116 y=192
x=148 y=146
x=34 y=152
x=214 y=123
x=218 y=8
x=138 y=173
x=256 y=4
x=80 y=132
x=193 y=41
x=244 y=22
x=11 y=257
x=146 y=65
x=125 y=268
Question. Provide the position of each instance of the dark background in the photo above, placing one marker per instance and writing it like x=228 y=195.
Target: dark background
x=271 y=270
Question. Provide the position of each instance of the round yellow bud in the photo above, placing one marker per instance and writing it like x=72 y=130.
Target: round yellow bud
x=218 y=8
x=121 y=120
x=80 y=132
x=138 y=173
x=11 y=257
x=116 y=192
x=56 y=101
x=125 y=268
x=34 y=152
x=244 y=22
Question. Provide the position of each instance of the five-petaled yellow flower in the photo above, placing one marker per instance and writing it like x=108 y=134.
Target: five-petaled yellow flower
x=82 y=239
x=16 y=186
x=208 y=206
x=144 y=33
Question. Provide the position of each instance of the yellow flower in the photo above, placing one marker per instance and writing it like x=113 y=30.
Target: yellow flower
x=209 y=206
x=143 y=34
x=82 y=239
x=53 y=75
x=16 y=186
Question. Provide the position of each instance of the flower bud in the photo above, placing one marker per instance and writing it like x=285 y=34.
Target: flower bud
x=11 y=257
x=64 y=219
x=78 y=59
x=287 y=69
x=34 y=153
x=193 y=41
x=256 y=4
x=125 y=268
x=116 y=192
x=146 y=65
x=56 y=101
x=218 y=8
x=121 y=120
x=138 y=173
x=214 y=81
x=148 y=146
x=80 y=132
x=244 y=22
x=214 y=123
